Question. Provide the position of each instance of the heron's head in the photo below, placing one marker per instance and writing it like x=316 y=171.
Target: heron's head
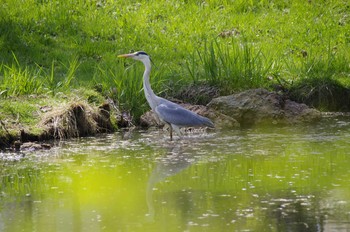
x=136 y=56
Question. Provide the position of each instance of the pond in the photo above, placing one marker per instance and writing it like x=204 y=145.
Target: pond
x=280 y=178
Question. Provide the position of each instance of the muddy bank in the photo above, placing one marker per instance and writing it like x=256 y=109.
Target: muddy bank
x=81 y=118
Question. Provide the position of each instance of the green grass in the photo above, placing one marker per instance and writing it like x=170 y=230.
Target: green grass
x=124 y=85
x=52 y=47
x=19 y=79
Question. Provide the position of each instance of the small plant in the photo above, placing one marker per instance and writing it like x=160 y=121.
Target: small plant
x=54 y=84
x=123 y=83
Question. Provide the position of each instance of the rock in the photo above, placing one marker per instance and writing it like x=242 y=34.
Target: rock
x=150 y=119
x=299 y=112
x=259 y=106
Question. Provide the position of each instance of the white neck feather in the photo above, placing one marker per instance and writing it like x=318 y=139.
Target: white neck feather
x=150 y=96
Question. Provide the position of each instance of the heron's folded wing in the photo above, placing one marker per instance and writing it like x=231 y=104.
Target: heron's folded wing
x=177 y=115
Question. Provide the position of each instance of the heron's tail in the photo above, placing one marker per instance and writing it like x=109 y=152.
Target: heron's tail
x=207 y=122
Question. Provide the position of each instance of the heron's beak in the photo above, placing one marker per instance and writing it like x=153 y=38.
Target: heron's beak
x=126 y=55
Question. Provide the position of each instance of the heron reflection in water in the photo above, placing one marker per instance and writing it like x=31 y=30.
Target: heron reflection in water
x=168 y=112
x=173 y=162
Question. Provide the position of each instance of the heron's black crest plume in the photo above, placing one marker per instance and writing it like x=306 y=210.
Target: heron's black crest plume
x=142 y=53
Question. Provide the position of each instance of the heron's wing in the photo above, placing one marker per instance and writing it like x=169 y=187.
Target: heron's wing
x=175 y=114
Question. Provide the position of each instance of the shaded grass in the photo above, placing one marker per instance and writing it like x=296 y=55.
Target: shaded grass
x=322 y=81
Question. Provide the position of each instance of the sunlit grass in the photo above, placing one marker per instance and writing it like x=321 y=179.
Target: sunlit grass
x=20 y=81
x=17 y=80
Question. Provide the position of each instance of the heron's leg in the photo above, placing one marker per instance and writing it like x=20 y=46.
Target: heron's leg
x=176 y=129
x=171 y=132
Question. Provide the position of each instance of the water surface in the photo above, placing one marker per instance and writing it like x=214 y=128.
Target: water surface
x=294 y=178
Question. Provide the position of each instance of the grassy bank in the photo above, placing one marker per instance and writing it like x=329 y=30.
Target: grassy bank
x=52 y=47
x=40 y=117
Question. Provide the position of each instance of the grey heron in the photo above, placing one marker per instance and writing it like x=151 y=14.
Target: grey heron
x=168 y=112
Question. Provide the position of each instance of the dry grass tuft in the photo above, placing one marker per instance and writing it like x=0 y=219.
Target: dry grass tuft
x=72 y=120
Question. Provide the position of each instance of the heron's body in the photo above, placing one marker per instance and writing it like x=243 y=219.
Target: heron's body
x=169 y=112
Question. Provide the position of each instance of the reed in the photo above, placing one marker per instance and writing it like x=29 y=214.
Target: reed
x=230 y=66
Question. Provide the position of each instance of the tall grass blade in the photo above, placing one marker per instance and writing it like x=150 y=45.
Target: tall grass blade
x=231 y=66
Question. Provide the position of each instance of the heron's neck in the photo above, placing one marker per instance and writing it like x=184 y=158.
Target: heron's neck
x=150 y=96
